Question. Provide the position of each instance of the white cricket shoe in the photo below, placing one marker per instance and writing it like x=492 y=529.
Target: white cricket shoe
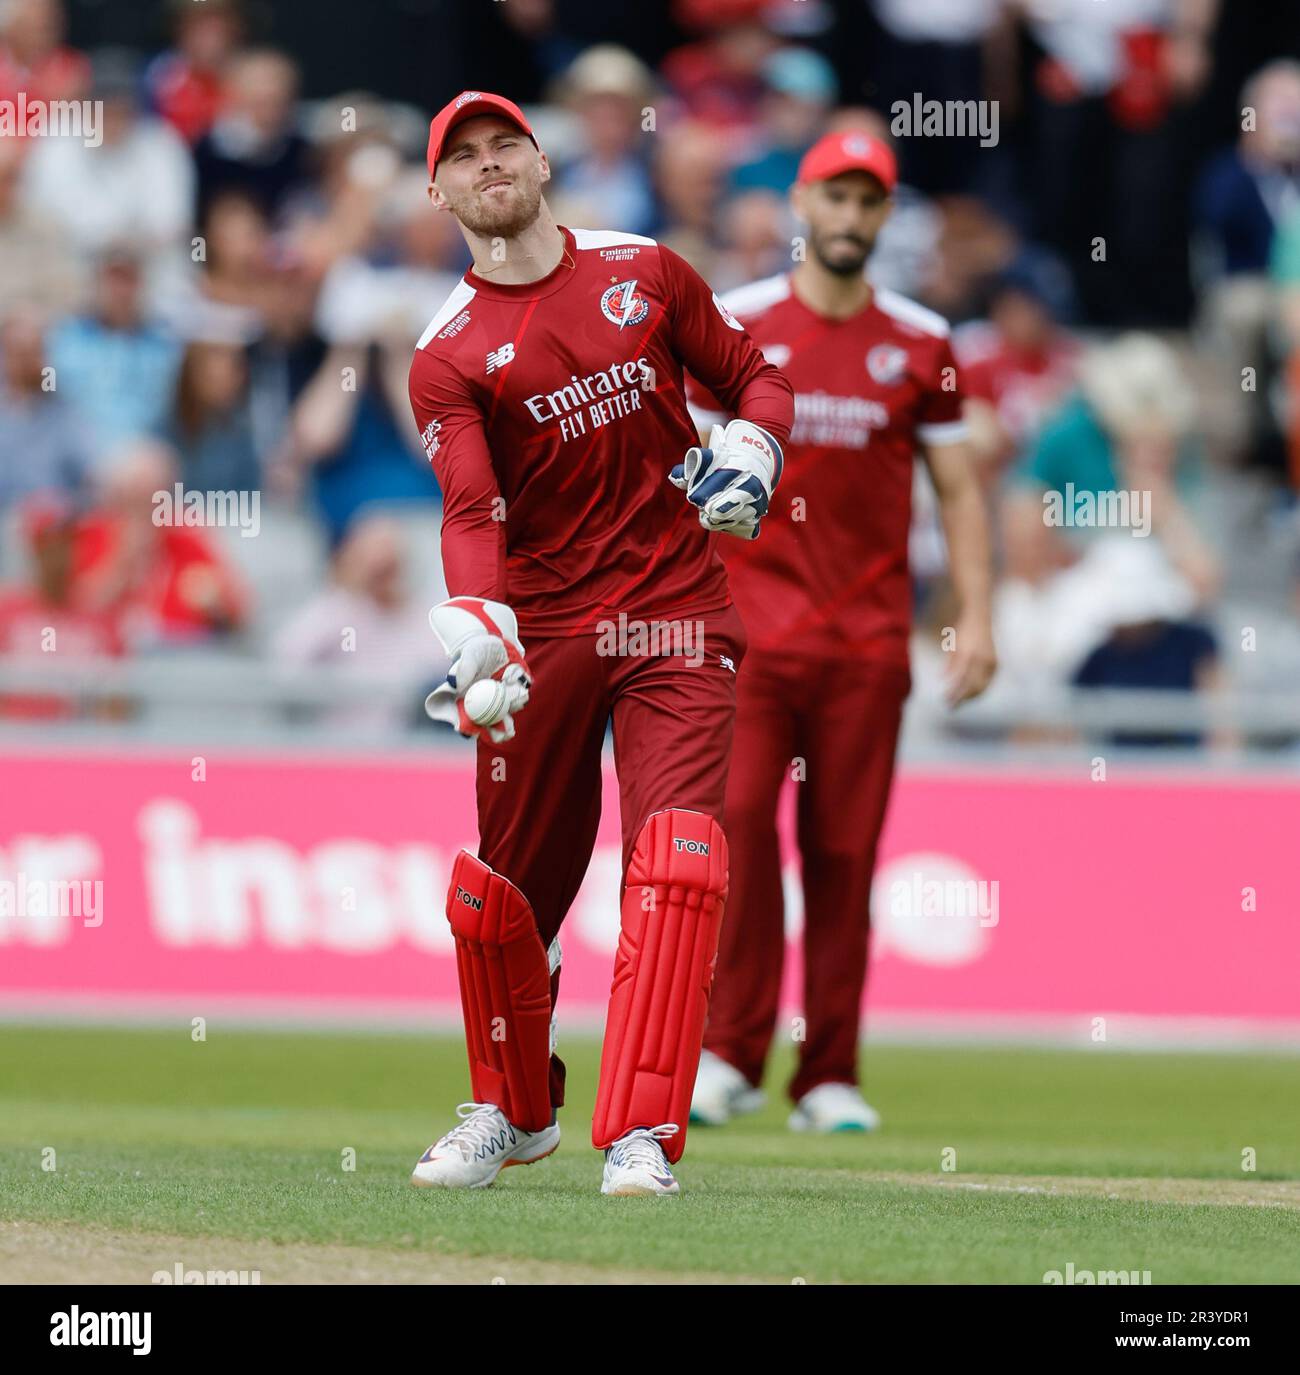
x=636 y=1164
x=722 y=1092
x=479 y=1147
x=833 y=1108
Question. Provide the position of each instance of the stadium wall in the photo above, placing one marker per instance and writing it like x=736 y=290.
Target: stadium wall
x=154 y=884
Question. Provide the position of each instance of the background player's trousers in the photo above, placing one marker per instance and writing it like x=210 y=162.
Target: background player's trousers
x=835 y=723
x=539 y=794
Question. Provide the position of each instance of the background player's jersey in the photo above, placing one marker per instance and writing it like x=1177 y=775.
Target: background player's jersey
x=829 y=573
x=552 y=413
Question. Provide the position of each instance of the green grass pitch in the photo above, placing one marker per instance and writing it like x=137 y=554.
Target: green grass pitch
x=1107 y=1159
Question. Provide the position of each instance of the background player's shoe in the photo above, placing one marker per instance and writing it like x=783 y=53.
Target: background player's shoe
x=722 y=1092
x=635 y=1163
x=833 y=1108
x=479 y=1147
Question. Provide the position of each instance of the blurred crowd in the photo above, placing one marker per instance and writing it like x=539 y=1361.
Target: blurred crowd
x=225 y=293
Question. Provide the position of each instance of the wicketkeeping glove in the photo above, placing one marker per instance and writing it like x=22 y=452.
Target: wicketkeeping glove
x=732 y=480
x=487 y=681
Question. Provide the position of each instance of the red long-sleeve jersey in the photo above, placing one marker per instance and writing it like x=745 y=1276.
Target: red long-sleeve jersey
x=552 y=412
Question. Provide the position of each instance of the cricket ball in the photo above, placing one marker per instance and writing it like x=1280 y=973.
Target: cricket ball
x=485 y=702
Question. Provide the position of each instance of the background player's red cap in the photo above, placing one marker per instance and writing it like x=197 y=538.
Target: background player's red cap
x=853 y=151
x=466 y=105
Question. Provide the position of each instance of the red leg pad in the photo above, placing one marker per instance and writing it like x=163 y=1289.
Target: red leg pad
x=673 y=901
x=505 y=992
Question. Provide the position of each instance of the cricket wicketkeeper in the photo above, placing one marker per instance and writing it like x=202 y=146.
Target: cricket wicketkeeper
x=549 y=394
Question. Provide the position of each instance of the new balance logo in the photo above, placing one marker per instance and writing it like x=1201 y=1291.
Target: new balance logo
x=692 y=847
x=498 y=358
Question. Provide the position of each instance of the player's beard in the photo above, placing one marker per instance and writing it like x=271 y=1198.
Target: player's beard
x=846 y=259
x=509 y=216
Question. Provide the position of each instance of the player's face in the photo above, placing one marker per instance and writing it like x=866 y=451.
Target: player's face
x=844 y=215
x=490 y=177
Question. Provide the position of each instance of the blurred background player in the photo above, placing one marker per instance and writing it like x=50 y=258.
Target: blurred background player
x=826 y=600
x=549 y=395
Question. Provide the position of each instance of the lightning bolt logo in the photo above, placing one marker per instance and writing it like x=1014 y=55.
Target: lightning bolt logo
x=629 y=300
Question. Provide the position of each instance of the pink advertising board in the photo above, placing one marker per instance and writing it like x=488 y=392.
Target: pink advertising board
x=290 y=885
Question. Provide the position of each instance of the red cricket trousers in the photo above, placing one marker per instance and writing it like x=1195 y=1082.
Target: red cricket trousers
x=833 y=725
x=539 y=794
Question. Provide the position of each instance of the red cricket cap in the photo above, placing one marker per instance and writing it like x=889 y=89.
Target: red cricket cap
x=466 y=105
x=853 y=151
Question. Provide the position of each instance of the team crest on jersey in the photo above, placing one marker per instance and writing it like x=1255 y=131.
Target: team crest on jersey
x=887 y=364
x=621 y=305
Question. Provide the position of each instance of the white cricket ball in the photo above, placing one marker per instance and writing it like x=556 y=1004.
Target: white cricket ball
x=485 y=702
